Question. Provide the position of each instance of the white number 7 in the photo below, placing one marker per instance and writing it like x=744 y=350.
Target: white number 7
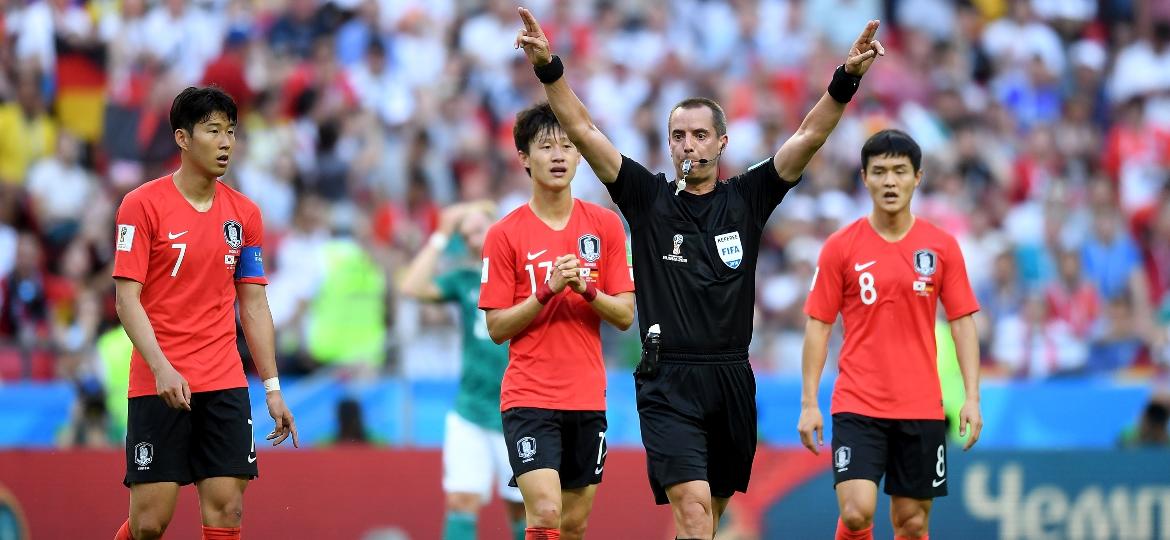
x=182 y=251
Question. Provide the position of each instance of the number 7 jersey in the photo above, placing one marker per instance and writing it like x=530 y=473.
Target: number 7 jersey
x=887 y=294
x=188 y=263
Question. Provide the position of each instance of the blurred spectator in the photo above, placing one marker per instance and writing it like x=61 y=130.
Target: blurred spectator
x=60 y=188
x=351 y=428
x=1151 y=428
x=1071 y=298
x=1033 y=345
x=27 y=132
x=89 y=424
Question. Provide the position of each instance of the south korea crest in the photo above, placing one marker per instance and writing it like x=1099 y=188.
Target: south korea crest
x=143 y=454
x=730 y=249
x=526 y=449
x=925 y=262
x=233 y=234
x=589 y=246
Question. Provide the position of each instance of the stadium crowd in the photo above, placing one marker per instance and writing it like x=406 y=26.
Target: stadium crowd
x=1045 y=126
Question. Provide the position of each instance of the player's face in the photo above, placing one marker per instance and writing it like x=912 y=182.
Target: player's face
x=693 y=137
x=891 y=181
x=474 y=227
x=209 y=146
x=553 y=160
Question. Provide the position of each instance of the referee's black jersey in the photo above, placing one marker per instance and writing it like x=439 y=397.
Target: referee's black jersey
x=694 y=256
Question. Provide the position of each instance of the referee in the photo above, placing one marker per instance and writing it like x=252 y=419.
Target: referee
x=695 y=244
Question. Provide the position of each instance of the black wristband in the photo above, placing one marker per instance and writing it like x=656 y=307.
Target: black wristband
x=844 y=85
x=550 y=72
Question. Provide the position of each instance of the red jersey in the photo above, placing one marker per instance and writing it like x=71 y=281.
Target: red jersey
x=888 y=293
x=556 y=362
x=188 y=263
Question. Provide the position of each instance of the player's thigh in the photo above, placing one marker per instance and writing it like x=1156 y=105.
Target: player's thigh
x=857 y=497
x=860 y=448
x=153 y=502
x=502 y=468
x=583 y=448
x=533 y=439
x=220 y=497
x=467 y=458
x=918 y=459
x=223 y=441
x=576 y=504
x=158 y=442
x=732 y=434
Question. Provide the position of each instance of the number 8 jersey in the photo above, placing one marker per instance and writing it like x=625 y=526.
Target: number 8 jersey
x=887 y=294
x=188 y=263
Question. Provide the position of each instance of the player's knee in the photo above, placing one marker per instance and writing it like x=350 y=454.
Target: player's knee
x=545 y=513
x=147 y=527
x=572 y=528
x=911 y=526
x=856 y=518
x=229 y=513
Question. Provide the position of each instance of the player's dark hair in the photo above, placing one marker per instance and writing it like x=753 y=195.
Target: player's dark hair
x=194 y=105
x=893 y=143
x=717 y=113
x=532 y=123
x=1157 y=413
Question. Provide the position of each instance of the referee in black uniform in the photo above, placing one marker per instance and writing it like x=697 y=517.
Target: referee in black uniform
x=695 y=244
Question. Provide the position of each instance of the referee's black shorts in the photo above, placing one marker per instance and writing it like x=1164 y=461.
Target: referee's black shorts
x=698 y=422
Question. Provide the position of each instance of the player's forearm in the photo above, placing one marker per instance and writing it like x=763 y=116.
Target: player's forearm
x=141 y=332
x=504 y=324
x=794 y=155
x=812 y=361
x=256 y=319
x=616 y=310
x=966 y=337
x=418 y=282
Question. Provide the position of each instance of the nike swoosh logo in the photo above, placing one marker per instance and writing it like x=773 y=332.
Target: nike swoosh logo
x=251 y=459
x=938 y=483
x=173 y=236
x=598 y=470
x=860 y=267
x=532 y=255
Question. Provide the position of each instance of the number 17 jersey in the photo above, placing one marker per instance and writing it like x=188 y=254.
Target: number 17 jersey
x=887 y=294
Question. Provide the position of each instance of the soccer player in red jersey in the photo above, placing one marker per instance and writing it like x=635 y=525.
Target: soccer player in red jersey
x=187 y=248
x=553 y=269
x=885 y=275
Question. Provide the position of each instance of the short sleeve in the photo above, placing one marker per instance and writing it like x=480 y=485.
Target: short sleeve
x=827 y=289
x=634 y=189
x=133 y=231
x=498 y=276
x=762 y=188
x=448 y=285
x=250 y=267
x=618 y=276
x=957 y=297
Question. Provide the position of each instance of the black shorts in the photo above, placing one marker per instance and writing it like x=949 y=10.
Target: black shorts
x=698 y=423
x=213 y=439
x=569 y=442
x=911 y=454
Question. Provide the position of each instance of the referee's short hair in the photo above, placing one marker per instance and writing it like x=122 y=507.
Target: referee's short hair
x=533 y=122
x=893 y=143
x=717 y=113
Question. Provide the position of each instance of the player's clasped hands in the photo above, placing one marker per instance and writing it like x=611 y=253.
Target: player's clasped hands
x=812 y=429
x=566 y=273
x=172 y=388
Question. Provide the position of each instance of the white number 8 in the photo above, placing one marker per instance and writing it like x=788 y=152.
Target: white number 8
x=940 y=468
x=868 y=292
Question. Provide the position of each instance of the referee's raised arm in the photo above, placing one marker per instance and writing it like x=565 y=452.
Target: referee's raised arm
x=794 y=155
x=572 y=115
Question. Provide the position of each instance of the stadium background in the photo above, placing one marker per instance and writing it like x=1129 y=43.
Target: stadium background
x=1046 y=130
